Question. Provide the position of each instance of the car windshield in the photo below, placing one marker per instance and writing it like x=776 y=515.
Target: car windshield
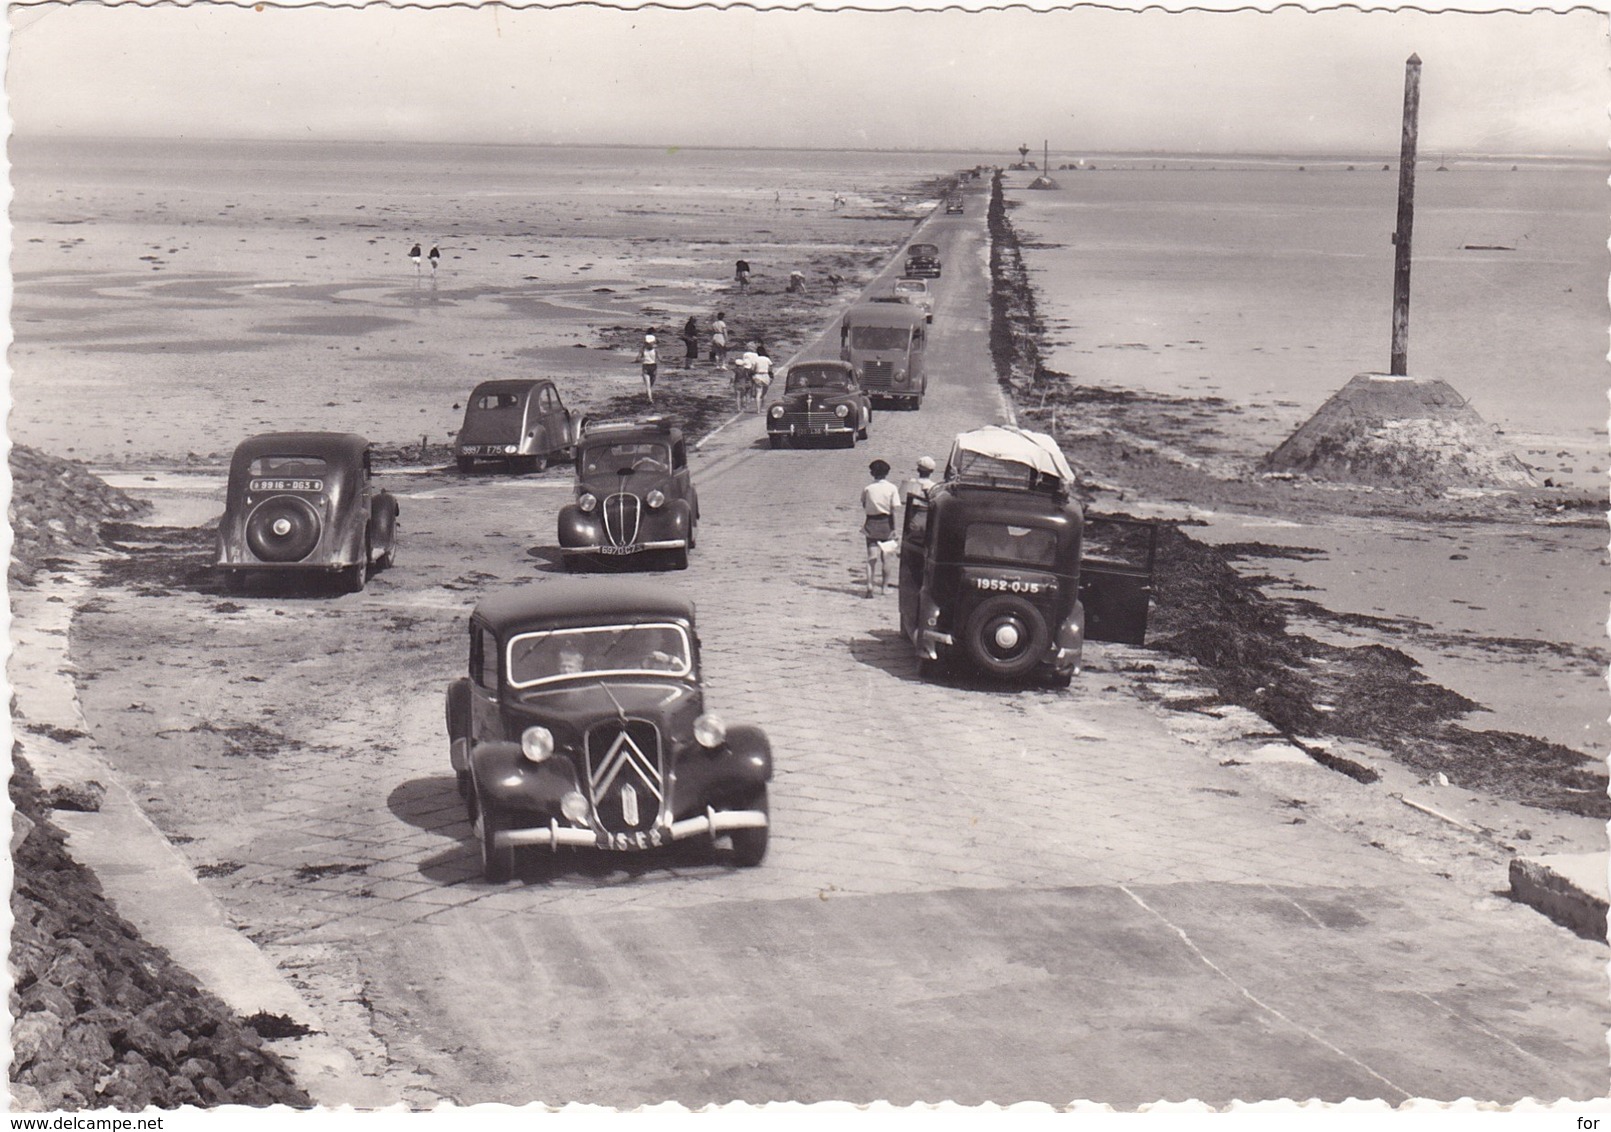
x=496 y=403
x=660 y=649
x=818 y=379
x=300 y=467
x=1004 y=542
x=928 y=251
x=879 y=337
x=625 y=458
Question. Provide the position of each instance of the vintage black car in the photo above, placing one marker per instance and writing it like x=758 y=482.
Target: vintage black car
x=821 y=400
x=582 y=723
x=304 y=503
x=634 y=496
x=993 y=572
x=521 y=423
x=923 y=261
x=953 y=206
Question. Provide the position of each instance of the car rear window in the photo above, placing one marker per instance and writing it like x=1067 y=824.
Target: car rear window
x=1005 y=542
x=288 y=466
x=494 y=402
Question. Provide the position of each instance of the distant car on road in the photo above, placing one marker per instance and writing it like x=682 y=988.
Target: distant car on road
x=304 y=503
x=887 y=343
x=520 y=422
x=821 y=400
x=993 y=573
x=923 y=261
x=913 y=292
x=582 y=723
x=635 y=496
x=953 y=206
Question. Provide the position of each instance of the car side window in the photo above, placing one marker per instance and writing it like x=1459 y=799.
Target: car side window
x=483 y=657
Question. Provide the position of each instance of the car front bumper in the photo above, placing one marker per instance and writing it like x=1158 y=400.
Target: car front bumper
x=634 y=548
x=708 y=824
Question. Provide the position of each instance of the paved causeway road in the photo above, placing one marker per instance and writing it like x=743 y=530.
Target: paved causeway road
x=972 y=894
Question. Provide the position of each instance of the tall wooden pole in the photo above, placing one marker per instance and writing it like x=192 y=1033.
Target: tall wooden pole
x=1406 y=218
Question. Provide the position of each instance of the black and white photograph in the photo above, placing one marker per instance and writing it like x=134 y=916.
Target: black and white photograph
x=699 y=556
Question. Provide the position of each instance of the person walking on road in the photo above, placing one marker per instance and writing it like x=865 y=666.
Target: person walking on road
x=760 y=372
x=741 y=274
x=879 y=502
x=649 y=359
x=435 y=257
x=690 y=342
x=718 y=339
x=920 y=485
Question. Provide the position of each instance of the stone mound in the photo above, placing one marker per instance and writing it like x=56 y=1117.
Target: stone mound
x=57 y=507
x=1400 y=432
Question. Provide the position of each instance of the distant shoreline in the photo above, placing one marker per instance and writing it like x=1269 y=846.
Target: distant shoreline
x=981 y=155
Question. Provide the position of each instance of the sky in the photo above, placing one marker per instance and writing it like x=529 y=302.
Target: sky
x=1290 y=82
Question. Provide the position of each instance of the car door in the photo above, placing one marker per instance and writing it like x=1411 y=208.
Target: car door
x=914 y=551
x=682 y=479
x=485 y=720
x=1117 y=562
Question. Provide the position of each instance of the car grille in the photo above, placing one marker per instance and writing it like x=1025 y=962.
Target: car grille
x=621 y=515
x=626 y=775
x=881 y=374
x=811 y=418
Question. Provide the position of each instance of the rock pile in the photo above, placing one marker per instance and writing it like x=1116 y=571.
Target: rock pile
x=1400 y=432
x=100 y=1017
x=57 y=507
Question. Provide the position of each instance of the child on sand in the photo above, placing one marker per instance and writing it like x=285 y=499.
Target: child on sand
x=879 y=501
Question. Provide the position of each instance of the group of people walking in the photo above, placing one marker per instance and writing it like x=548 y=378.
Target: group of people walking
x=880 y=500
x=752 y=370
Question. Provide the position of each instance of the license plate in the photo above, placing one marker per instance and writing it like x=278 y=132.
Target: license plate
x=634 y=548
x=642 y=839
x=286 y=485
x=486 y=450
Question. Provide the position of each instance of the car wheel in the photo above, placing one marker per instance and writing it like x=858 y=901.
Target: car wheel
x=679 y=558
x=353 y=577
x=465 y=463
x=538 y=463
x=862 y=431
x=232 y=581
x=776 y=440
x=1058 y=681
x=1006 y=636
x=749 y=845
x=850 y=439
x=496 y=864
x=930 y=669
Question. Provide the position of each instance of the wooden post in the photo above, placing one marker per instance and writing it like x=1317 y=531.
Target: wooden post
x=1406 y=219
x=1046 y=155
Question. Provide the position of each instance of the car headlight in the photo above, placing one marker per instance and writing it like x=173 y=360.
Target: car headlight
x=536 y=743
x=841 y=411
x=900 y=377
x=587 y=501
x=710 y=732
x=777 y=412
x=655 y=499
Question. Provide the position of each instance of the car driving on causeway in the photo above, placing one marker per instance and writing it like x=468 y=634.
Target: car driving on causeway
x=912 y=291
x=304 y=503
x=634 y=496
x=582 y=723
x=519 y=422
x=886 y=344
x=992 y=573
x=821 y=399
x=923 y=261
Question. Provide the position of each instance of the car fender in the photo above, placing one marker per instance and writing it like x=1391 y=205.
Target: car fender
x=751 y=751
x=506 y=779
x=577 y=527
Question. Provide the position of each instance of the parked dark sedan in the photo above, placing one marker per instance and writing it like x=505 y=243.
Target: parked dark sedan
x=521 y=423
x=304 y=503
x=582 y=723
x=821 y=400
x=635 y=496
